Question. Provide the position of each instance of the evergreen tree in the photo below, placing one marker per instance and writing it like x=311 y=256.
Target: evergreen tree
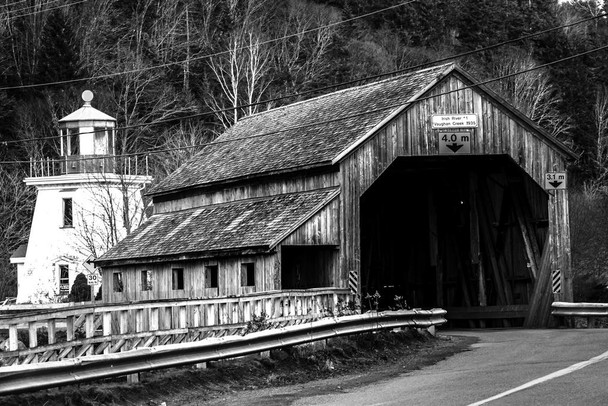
x=81 y=291
x=59 y=56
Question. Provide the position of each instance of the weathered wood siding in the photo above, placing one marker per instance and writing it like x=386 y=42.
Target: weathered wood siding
x=267 y=278
x=205 y=197
x=410 y=134
x=320 y=229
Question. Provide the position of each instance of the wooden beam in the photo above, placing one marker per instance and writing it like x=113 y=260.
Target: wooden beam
x=434 y=255
x=540 y=304
x=487 y=238
x=487 y=312
x=526 y=230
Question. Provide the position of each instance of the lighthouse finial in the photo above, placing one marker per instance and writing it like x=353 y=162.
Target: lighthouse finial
x=87 y=96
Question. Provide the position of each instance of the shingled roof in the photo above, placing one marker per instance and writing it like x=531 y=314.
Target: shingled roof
x=253 y=223
x=300 y=135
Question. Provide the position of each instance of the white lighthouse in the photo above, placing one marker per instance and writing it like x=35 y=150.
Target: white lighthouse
x=87 y=200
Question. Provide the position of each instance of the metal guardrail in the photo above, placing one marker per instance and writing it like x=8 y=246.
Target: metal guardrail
x=579 y=309
x=22 y=378
x=89 y=329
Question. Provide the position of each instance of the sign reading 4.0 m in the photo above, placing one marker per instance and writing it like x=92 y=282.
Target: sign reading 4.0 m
x=453 y=121
x=452 y=143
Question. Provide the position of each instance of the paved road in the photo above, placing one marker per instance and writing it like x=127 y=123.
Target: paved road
x=505 y=367
x=501 y=361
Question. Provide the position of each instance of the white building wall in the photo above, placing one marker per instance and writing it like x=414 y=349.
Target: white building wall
x=97 y=206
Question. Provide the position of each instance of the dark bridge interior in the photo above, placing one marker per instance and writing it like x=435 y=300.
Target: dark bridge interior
x=457 y=233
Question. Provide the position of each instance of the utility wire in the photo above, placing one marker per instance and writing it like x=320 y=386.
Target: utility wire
x=329 y=87
x=28 y=8
x=45 y=10
x=217 y=142
x=202 y=57
x=12 y=4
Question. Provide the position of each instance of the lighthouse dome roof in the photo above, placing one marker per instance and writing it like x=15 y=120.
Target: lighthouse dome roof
x=87 y=112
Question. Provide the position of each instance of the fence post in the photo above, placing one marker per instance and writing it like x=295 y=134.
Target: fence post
x=51 y=330
x=107 y=328
x=90 y=329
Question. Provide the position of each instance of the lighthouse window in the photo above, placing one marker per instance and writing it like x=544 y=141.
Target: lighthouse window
x=100 y=141
x=68 y=218
x=73 y=141
x=64 y=279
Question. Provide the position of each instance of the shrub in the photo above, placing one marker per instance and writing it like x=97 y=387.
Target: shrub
x=81 y=291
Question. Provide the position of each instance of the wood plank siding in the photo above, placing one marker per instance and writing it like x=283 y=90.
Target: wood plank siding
x=229 y=281
x=207 y=196
x=410 y=134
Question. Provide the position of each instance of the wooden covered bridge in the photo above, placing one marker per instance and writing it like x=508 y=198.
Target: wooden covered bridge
x=424 y=186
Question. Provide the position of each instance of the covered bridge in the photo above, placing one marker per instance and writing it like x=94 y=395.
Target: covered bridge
x=424 y=186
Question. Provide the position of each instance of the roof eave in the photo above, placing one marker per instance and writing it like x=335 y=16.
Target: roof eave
x=538 y=129
x=391 y=116
x=183 y=256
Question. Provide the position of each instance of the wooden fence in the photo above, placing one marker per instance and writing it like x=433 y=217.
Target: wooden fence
x=109 y=328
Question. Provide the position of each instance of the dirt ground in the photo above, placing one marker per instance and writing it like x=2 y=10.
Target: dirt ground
x=339 y=363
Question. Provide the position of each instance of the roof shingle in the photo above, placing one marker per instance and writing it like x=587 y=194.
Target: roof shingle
x=298 y=135
x=227 y=226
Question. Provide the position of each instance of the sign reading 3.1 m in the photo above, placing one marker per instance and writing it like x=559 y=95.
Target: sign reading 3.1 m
x=453 y=121
x=556 y=180
x=454 y=143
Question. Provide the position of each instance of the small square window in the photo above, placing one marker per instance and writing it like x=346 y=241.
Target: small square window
x=146 y=280
x=248 y=274
x=68 y=217
x=211 y=276
x=177 y=279
x=117 y=285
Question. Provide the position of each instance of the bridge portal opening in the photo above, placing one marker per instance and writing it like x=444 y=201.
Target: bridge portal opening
x=461 y=233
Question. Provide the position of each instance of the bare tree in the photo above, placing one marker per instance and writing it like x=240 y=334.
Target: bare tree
x=531 y=92
x=302 y=55
x=114 y=210
x=599 y=159
x=16 y=208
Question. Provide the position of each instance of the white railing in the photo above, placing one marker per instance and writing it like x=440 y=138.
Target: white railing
x=92 y=164
x=74 y=331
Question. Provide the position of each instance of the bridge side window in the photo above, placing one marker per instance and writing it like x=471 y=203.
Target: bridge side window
x=211 y=276
x=117 y=285
x=146 y=280
x=177 y=279
x=248 y=274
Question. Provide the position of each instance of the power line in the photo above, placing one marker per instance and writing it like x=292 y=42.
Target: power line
x=317 y=123
x=202 y=57
x=12 y=4
x=208 y=56
x=28 y=8
x=45 y=10
x=316 y=90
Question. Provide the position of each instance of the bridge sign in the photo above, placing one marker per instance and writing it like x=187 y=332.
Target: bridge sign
x=452 y=143
x=454 y=121
x=556 y=180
